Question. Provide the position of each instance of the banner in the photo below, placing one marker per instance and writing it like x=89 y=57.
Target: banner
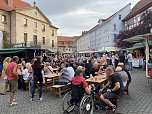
x=1 y=39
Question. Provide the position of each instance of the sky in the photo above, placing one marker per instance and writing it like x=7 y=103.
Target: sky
x=74 y=16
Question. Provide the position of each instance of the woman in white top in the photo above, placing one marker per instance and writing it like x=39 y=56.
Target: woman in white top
x=26 y=75
x=48 y=69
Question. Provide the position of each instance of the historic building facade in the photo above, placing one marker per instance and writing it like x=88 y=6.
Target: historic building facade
x=26 y=25
x=103 y=35
x=133 y=19
x=83 y=43
x=65 y=44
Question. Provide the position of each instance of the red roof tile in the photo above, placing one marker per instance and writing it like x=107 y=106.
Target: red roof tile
x=138 y=8
x=16 y=4
x=65 y=38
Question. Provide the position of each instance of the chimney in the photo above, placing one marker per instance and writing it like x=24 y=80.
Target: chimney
x=10 y=3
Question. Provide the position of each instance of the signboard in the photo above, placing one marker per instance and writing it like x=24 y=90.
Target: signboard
x=1 y=39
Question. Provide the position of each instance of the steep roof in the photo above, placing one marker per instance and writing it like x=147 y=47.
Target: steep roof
x=64 y=38
x=16 y=4
x=138 y=8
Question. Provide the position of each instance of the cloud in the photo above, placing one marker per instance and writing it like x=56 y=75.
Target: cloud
x=74 y=16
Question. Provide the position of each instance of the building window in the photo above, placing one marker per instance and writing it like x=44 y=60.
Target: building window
x=25 y=21
x=119 y=16
x=25 y=37
x=52 y=43
x=43 y=40
x=4 y=18
x=43 y=27
x=52 y=32
x=115 y=27
x=35 y=24
x=34 y=39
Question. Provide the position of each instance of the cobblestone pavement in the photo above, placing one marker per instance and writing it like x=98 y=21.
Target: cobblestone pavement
x=139 y=100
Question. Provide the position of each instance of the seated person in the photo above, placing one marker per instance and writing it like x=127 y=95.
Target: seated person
x=64 y=75
x=123 y=75
x=123 y=68
x=77 y=80
x=70 y=70
x=48 y=69
x=113 y=88
x=95 y=69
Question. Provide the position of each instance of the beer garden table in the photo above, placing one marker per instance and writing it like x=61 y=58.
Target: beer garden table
x=51 y=76
x=99 y=80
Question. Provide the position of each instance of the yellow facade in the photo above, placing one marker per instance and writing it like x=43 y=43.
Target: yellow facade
x=18 y=28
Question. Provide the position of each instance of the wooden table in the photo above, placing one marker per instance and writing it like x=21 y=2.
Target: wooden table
x=51 y=76
x=55 y=69
x=100 y=80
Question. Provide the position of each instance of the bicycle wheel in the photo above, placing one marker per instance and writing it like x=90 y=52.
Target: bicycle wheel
x=87 y=105
x=66 y=103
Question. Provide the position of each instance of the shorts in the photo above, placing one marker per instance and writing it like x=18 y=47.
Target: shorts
x=13 y=85
x=108 y=95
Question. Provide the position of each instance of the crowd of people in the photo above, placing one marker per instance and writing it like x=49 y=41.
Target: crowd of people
x=70 y=69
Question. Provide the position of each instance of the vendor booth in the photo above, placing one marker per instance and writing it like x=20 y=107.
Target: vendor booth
x=145 y=39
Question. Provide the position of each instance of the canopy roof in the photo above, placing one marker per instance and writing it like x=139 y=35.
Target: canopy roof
x=17 y=50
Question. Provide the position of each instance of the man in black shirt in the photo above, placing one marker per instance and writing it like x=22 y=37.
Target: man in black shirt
x=113 y=88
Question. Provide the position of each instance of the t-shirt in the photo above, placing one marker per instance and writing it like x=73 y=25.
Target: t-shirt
x=78 y=80
x=65 y=77
x=114 y=78
x=10 y=68
x=25 y=74
x=129 y=57
x=71 y=72
x=48 y=70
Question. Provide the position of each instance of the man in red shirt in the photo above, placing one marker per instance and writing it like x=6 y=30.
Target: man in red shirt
x=12 y=78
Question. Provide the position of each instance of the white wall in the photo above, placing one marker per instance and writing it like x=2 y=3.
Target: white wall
x=83 y=43
x=104 y=34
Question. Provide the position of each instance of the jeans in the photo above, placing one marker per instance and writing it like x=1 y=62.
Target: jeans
x=34 y=84
x=130 y=67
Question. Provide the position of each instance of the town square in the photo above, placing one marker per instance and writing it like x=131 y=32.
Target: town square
x=75 y=57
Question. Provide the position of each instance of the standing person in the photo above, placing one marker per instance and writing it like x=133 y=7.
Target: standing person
x=130 y=60
x=37 y=77
x=113 y=58
x=122 y=57
x=3 y=76
x=13 y=78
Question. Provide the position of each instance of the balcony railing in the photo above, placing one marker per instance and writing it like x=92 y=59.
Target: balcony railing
x=35 y=44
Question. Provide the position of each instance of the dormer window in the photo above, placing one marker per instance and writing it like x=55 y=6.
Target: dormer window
x=35 y=13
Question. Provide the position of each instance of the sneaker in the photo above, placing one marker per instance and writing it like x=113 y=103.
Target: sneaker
x=31 y=100
x=13 y=103
x=113 y=108
x=40 y=99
